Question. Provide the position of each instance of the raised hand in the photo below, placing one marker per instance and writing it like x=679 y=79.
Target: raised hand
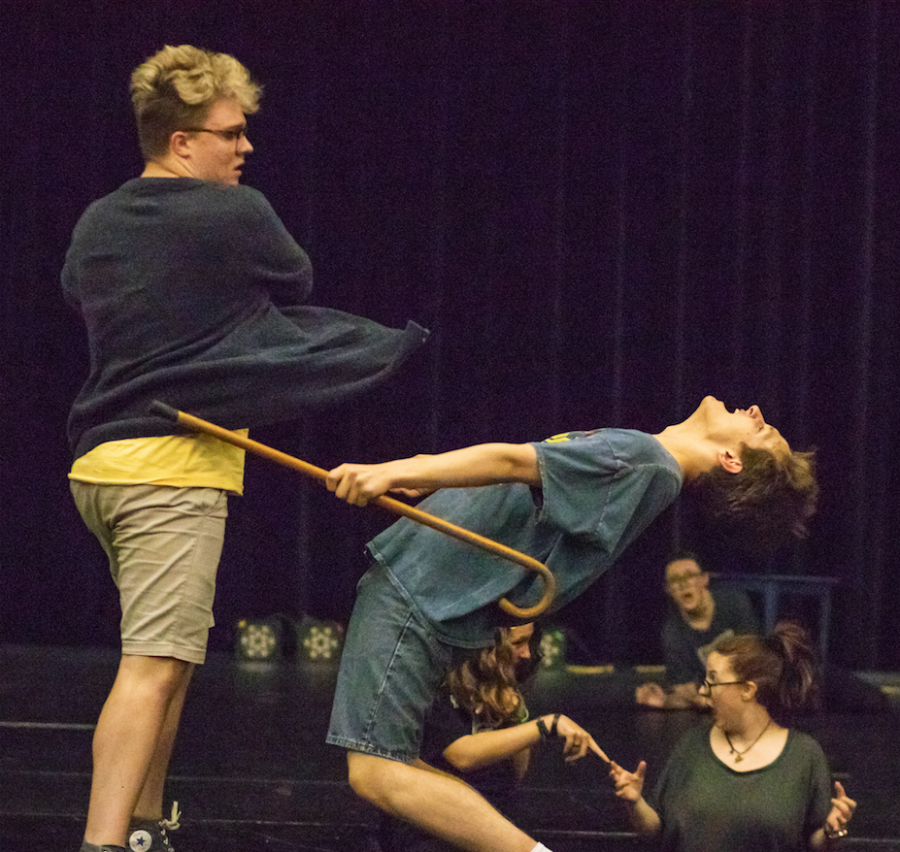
x=629 y=785
x=651 y=695
x=842 y=809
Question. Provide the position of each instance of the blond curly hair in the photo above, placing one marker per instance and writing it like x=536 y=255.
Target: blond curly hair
x=175 y=89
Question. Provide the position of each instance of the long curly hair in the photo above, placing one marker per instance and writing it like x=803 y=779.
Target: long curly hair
x=486 y=686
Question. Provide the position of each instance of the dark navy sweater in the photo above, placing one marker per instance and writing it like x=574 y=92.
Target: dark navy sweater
x=193 y=293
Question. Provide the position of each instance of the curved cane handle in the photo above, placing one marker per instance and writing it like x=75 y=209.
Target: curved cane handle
x=389 y=503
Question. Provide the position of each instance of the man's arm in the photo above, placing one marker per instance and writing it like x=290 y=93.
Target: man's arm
x=482 y=464
x=680 y=696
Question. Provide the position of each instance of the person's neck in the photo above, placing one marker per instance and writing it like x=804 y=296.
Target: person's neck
x=687 y=444
x=164 y=169
x=751 y=725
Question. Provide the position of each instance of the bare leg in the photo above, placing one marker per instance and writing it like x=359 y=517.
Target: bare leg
x=149 y=804
x=436 y=802
x=132 y=735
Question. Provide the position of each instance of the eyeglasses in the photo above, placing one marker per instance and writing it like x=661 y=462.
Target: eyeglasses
x=706 y=687
x=676 y=581
x=230 y=134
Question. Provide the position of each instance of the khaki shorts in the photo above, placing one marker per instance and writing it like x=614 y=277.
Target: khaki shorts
x=163 y=545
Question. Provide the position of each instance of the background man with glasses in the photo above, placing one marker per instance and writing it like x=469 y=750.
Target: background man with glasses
x=699 y=621
x=194 y=293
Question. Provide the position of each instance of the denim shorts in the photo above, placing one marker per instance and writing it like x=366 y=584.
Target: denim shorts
x=163 y=545
x=392 y=666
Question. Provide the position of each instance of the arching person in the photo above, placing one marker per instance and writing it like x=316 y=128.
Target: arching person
x=574 y=502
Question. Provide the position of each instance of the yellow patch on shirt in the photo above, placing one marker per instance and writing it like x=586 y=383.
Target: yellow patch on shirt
x=558 y=439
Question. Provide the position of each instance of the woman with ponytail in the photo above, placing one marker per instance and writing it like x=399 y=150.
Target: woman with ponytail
x=747 y=781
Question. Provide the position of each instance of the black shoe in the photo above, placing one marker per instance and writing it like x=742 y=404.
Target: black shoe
x=150 y=835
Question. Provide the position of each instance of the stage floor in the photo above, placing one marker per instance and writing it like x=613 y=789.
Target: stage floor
x=251 y=769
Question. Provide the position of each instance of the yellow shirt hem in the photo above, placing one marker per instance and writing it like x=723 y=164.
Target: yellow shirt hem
x=195 y=461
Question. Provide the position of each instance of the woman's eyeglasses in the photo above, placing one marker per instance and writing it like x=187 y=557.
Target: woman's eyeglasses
x=707 y=686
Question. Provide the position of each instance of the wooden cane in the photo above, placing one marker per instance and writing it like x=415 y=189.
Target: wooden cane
x=396 y=506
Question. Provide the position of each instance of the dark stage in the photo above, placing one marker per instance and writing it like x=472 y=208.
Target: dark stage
x=251 y=770
x=603 y=211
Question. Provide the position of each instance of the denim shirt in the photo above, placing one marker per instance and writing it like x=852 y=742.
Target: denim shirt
x=599 y=491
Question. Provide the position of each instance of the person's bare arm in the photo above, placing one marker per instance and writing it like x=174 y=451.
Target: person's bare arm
x=482 y=464
x=681 y=696
x=630 y=788
x=488 y=747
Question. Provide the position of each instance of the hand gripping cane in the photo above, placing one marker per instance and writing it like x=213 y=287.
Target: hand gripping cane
x=389 y=503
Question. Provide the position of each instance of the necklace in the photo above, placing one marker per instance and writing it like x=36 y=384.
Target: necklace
x=739 y=755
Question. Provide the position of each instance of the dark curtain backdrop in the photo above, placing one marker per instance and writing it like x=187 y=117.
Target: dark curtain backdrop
x=604 y=211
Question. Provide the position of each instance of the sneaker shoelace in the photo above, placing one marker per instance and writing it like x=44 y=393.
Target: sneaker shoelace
x=172 y=823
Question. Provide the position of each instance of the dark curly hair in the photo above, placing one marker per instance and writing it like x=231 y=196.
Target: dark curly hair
x=765 y=504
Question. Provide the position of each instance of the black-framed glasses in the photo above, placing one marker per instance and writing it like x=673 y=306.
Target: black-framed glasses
x=706 y=687
x=229 y=134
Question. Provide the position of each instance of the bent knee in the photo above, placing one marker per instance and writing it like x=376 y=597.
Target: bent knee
x=360 y=772
x=370 y=776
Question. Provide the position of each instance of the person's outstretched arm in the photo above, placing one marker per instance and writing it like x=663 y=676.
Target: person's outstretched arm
x=487 y=747
x=482 y=464
x=680 y=696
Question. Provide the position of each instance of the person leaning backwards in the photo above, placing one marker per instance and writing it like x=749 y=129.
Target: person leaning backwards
x=574 y=502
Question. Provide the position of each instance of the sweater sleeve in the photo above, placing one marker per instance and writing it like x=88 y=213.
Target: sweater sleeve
x=270 y=254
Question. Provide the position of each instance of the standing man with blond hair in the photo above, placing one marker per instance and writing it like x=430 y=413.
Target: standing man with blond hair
x=193 y=293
